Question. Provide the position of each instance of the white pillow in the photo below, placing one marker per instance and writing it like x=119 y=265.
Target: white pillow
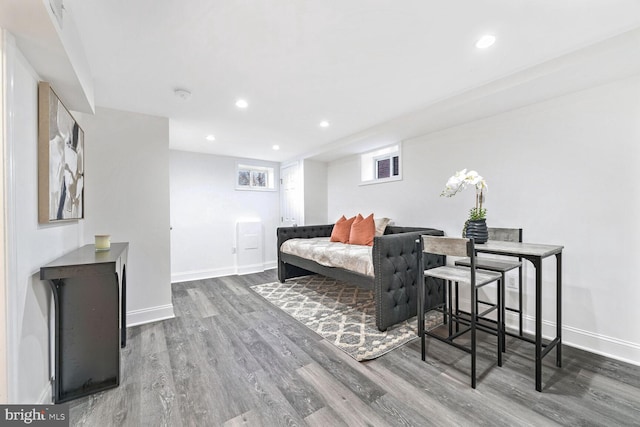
x=381 y=224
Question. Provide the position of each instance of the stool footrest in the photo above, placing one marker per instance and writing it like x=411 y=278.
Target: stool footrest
x=490 y=264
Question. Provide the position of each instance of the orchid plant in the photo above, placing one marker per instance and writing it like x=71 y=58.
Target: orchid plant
x=461 y=180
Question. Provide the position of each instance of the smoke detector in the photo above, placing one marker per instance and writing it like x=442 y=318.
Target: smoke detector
x=183 y=94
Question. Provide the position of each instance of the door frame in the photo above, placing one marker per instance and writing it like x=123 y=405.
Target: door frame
x=4 y=323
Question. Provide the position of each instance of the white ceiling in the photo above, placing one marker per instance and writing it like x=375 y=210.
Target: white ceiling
x=356 y=63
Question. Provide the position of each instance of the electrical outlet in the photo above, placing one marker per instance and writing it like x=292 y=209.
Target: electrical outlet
x=511 y=283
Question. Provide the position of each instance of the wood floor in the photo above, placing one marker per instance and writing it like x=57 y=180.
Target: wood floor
x=229 y=358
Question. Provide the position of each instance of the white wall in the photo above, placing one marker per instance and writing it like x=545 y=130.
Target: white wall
x=564 y=170
x=30 y=245
x=116 y=146
x=315 y=192
x=127 y=196
x=205 y=207
x=3 y=254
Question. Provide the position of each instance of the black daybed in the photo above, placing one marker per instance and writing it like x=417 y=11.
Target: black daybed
x=394 y=263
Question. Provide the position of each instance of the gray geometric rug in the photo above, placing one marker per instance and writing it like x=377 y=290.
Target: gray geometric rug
x=340 y=312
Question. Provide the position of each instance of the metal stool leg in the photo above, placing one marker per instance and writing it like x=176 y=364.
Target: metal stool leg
x=473 y=338
x=502 y=310
x=457 y=309
x=449 y=309
x=520 y=298
x=444 y=300
x=500 y=323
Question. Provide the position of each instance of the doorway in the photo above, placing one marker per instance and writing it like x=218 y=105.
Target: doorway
x=291 y=196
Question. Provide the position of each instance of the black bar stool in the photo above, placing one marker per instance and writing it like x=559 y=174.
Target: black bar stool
x=502 y=266
x=465 y=276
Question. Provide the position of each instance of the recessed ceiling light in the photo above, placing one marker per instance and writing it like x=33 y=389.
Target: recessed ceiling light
x=241 y=103
x=485 y=41
x=276 y=147
x=210 y=138
x=324 y=124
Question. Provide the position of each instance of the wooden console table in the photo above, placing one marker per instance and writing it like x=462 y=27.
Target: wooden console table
x=89 y=292
x=535 y=254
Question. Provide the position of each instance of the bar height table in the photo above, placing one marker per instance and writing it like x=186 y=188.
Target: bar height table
x=535 y=253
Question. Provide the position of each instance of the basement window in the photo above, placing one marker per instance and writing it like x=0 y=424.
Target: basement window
x=254 y=177
x=381 y=165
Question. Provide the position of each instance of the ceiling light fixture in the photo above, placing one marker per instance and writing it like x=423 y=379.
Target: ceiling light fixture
x=276 y=147
x=210 y=138
x=241 y=103
x=324 y=124
x=183 y=94
x=486 y=41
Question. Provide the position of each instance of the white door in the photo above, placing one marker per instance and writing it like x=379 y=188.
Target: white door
x=290 y=196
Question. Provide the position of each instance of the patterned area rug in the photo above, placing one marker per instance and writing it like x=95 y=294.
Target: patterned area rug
x=340 y=312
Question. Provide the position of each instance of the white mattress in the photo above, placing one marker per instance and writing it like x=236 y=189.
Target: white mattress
x=356 y=258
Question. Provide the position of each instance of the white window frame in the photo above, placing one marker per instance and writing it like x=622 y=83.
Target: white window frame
x=369 y=164
x=254 y=176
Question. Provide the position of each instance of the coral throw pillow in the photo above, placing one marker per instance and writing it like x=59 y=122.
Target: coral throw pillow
x=341 y=230
x=362 y=231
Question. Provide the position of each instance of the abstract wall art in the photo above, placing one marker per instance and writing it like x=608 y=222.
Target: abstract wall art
x=60 y=160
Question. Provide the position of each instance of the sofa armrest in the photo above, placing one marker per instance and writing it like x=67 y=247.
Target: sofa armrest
x=395 y=265
x=302 y=232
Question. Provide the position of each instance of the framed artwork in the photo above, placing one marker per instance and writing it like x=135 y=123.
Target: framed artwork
x=60 y=160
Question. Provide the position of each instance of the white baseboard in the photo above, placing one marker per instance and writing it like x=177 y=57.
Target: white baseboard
x=624 y=351
x=148 y=315
x=202 y=274
x=256 y=268
x=248 y=269
x=614 y=348
x=220 y=272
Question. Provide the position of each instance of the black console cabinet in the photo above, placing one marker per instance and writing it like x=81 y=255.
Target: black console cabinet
x=89 y=290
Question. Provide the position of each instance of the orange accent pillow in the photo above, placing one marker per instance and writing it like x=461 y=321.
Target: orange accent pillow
x=362 y=231
x=341 y=230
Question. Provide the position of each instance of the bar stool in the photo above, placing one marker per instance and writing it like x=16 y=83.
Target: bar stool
x=502 y=267
x=466 y=276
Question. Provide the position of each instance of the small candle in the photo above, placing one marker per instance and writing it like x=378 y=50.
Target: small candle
x=103 y=242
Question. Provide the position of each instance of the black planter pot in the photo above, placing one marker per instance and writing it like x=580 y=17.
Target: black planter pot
x=476 y=229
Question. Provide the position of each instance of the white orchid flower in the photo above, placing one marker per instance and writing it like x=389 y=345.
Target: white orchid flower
x=461 y=174
x=456 y=183
x=472 y=177
x=460 y=180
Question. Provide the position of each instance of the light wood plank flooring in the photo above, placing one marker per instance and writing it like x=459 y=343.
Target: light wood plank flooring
x=229 y=358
